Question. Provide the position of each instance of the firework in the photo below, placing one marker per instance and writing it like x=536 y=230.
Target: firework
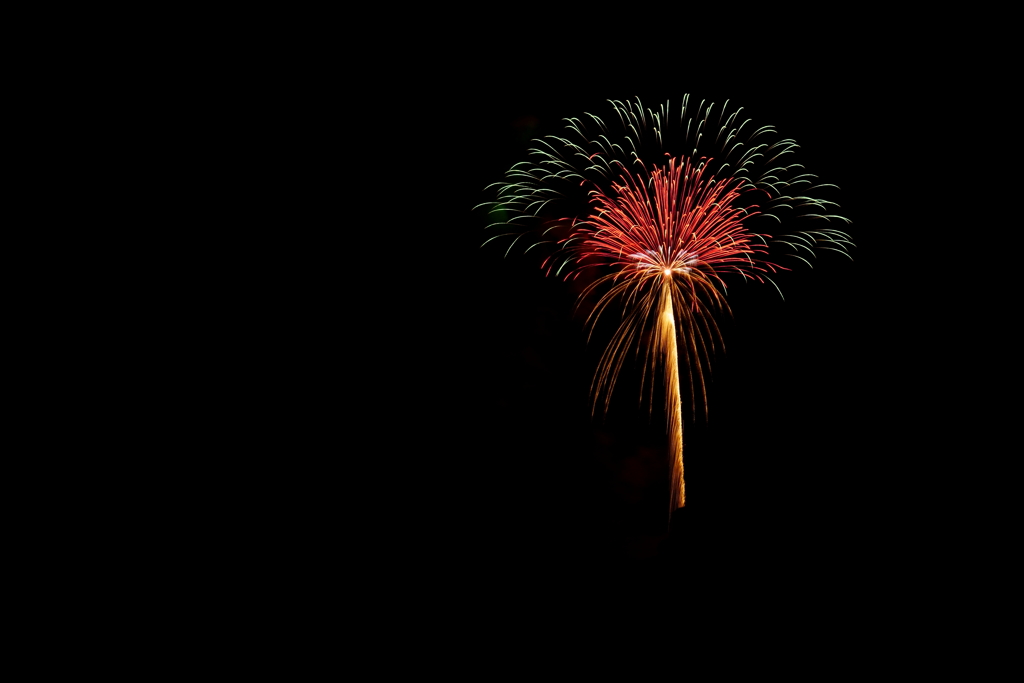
x=665 y=207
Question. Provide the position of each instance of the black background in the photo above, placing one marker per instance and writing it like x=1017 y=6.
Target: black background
x=437 y=419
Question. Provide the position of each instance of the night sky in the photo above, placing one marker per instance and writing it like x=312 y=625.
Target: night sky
x=468 y=445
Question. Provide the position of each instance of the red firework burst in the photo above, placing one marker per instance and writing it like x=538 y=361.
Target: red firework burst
x=693 y=228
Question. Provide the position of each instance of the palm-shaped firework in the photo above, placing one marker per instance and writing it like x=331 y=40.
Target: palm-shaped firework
x=665 y=233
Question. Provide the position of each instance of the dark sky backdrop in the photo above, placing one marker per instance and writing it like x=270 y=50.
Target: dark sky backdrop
x=480 y=450
x=472 y=451
x=419 y=405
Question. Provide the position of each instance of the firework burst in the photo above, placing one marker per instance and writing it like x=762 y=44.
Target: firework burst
x=663 y=237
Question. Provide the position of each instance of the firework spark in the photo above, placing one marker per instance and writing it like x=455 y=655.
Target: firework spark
x=664 y=236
